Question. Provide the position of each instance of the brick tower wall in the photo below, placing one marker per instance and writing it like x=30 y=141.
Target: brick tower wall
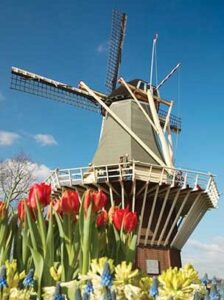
x=165 y=257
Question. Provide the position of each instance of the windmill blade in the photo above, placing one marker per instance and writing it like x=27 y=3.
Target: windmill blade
x=119 y=21
x=31 y=83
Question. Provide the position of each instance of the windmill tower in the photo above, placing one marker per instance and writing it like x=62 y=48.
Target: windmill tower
x=133 y=162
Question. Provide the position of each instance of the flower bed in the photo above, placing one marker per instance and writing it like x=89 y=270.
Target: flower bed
x=72 y=248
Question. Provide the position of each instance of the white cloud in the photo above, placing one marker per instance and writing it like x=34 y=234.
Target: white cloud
x=102 y=47
x=7 y=138
x=45 y=139
x=40 y=172
x=206 y=257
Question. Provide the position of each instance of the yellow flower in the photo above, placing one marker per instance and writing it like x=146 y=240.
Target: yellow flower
x=13 y=277
x=178 y=283
x=97 y=265
x=145 y=283
x=56 y=273
x=124 y=273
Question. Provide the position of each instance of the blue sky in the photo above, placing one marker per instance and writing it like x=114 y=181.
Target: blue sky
x=67 y=41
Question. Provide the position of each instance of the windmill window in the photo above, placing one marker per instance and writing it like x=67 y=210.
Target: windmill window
x=141 y=85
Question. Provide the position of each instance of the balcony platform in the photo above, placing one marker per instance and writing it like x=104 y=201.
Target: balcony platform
x=169 y=202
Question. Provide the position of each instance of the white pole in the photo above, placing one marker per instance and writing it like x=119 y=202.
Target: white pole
x=162 y=138
x=167 y=127
x=122 y=124
x=168 y=116
x=153 y=54
x=122 y=81
x=168 y=76
x=170 y=142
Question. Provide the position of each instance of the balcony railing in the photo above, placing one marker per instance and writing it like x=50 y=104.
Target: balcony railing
x=130 y=171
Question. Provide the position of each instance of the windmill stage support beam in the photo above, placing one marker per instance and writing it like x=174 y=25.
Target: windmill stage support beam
x=168 y=217
x=151 y=215
x=177 y=217
x=190 y=219
x=122 y=124
x=146 y=186
x=122 y=194
x=111 y=194
x=133 y=196
x=160 y=215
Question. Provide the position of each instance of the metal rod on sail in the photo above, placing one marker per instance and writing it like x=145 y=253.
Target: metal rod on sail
x=168 y=76
x=153 y=54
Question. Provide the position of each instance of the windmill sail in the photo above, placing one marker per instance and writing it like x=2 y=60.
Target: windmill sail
x=31 y=83
x=119 y=21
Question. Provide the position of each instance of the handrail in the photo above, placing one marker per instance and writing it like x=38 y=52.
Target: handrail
x=133 y=169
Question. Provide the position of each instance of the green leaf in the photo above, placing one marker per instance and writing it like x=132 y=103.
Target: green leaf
x=41 y=227
x=131 y=250
x=50 y=247
x=87 y=230
x=63 y=257
x=95 y=242
x=39 y=266
x=31 y=228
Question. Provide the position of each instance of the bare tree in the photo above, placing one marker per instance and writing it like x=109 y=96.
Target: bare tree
x=16 y=176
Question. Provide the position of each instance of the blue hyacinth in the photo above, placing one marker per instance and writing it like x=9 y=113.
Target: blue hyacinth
x=78 y=295
x=207 y=297
x=106 y=277
x=89 y=287
x=28 y=280
x=3 y=281
x=58 y=295
x=108 y=295
x=214 y=295
x=85 y=296
x=205 y=279
x=153 y=291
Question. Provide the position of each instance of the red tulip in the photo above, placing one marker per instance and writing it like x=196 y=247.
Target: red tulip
x=54 y=207
x=130 y=221
x=21 y=210
x=69 y=202
x=39 y=192
x=2 y=210
x=57 y=206
x=99 y=200
x=102 y=218
x=87 y=200
x=118 y=216
x=124 y=218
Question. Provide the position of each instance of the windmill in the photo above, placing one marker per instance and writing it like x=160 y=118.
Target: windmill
x=133 y=162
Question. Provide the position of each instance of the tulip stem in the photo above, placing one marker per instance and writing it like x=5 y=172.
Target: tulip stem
x=86 y=240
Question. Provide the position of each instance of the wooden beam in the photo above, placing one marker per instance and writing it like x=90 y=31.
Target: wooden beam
x=143 y=95
x=151 y=215
x=122 y=124
x=142 y=210
x=160 y=215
